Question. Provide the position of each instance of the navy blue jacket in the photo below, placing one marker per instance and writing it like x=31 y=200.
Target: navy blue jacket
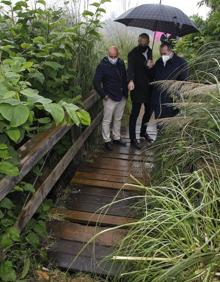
x=175 y=69
x=111 y=80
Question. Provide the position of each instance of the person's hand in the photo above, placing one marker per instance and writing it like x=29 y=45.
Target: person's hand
x=131 y=85
x=106 y=98
x=150 y=64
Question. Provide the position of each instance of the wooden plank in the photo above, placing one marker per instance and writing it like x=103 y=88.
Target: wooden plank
x=90 y=218
x=103 y=184
x=85 y=264
x=74 y=248
x=99 y=176
x=116 y=156
x=103 y=171
x=92 y=258
x=93 y=200
x=83 y=233
x=33 y=151
x=50 y=181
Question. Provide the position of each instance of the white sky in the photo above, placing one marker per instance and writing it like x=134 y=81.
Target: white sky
x=189 y=7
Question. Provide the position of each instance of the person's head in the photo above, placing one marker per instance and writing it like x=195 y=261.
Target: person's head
x=166 y=52
x=113 y=54
x=143 y=41
x=165 y=49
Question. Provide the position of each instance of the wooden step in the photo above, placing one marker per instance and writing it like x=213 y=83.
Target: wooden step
x=83 y=233
x=86 y=264
x=89 y=218
x=93 y=199
x=104 y=184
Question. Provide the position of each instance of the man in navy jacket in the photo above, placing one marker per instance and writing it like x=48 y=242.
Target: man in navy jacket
x=110 y=81
x=169 y=67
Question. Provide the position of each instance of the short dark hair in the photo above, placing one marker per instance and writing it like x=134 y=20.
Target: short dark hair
x=166 y=44
x=144 y=35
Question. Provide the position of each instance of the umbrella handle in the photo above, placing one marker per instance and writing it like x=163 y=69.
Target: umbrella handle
x=153 y=41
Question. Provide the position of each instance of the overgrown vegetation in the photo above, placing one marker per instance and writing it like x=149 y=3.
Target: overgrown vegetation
x=177 y=238
x=46 y=65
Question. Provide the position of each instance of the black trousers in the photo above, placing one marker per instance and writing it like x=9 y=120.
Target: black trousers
x=136 y=107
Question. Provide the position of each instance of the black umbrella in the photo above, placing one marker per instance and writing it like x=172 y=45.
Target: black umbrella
x=158 y=17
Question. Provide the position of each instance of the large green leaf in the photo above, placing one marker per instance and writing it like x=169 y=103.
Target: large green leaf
x=53 y=65
x=6 y=111
x=33 y=97
x=7 y=272
x=20 y=115
x=38 y=76
x=14 y=134
x=6 y=203
x=71 y=110
x=17 y=115
x=26 y=268
x=56 y=112
x=14 y=234
x=8 y=169
x=84 y=117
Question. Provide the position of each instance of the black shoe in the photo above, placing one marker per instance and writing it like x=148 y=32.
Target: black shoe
x=108 y=146
x=146 y=137
x=135 y=144
x=120 y=143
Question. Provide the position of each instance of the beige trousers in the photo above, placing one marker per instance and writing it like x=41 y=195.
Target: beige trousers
x=113 y=112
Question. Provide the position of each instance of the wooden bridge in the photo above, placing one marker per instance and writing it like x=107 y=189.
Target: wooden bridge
x=88 y=207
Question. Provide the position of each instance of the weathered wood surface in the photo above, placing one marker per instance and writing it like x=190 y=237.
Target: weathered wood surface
x=96 y=203
x=41 y=193
x=37 y=147
x=89 y=218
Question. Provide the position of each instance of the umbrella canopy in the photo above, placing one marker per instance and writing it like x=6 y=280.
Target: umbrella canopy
x=159 y=17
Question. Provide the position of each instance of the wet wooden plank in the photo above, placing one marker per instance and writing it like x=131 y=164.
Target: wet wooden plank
x=122 y=165
x=104 y=184
x=86 y=264
x=103 y=171
x=116 y=156
x=101 y=200
x=74 y=248
x=84 y=233
x=89 y=218
x=99 y=176
x=29 y=210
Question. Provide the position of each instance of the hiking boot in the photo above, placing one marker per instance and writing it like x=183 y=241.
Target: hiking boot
x=108 y=146
x=146 y=137
x=135 y=144
x=120 y=143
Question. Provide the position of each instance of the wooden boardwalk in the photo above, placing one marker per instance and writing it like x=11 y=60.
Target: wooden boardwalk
x=87 y=211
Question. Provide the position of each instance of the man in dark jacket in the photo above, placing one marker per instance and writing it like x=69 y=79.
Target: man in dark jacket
x=139 y=79
x=110 y=82
x=169 y=67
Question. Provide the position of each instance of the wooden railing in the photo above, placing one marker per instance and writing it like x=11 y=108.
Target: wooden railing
x=35 y=149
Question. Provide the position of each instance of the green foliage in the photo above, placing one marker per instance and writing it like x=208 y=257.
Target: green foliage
x=62 y=54
x=47 y=62
x=19 y=105
x=177 y=238
x=190 y=46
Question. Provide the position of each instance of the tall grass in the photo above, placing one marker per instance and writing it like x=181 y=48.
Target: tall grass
x=178 y=237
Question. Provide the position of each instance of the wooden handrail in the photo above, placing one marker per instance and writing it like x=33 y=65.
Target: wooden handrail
x=41 y=193
x=38 y=146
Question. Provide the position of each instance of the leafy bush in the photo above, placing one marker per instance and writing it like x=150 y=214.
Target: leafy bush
x=46 y=64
